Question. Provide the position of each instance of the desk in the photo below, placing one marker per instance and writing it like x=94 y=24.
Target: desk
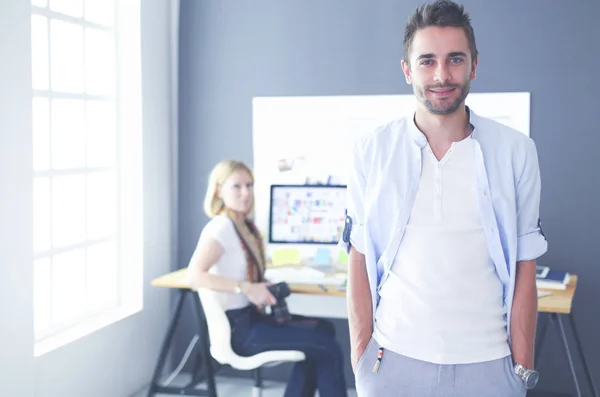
x=560 y=301
x=558 y=307
x=177 y=280
x=311 y=300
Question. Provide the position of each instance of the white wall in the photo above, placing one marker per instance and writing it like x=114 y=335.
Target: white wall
x=16 y=284
x=117 y=360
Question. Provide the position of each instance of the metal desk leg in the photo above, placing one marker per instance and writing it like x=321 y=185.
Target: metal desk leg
x=205 y=346
x=541 y=337
x=198 y=364
x=586 y=369
x=566 y=345
x=166 y=344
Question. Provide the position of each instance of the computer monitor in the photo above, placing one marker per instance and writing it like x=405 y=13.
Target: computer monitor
x=307 y=214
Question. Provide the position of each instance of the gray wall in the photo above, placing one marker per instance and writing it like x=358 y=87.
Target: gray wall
x=117 y=360
x=232 y=52
x=16 y=234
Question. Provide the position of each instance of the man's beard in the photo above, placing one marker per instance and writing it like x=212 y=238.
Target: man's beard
x=444 y=108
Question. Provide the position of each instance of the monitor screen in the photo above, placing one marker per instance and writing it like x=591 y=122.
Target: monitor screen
x=307 y=214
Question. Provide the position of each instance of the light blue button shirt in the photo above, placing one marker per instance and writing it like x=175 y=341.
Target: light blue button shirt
x=383 y=182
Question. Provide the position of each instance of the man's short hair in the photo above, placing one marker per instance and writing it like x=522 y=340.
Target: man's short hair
x=441 y=13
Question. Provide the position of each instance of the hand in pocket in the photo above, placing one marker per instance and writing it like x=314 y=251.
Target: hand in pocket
x=356 y=354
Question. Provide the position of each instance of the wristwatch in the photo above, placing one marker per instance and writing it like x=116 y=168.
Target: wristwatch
x=529 y=376
x=238 y=288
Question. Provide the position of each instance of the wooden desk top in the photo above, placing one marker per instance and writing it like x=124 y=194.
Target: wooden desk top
x=177 y=279
x=559 y=302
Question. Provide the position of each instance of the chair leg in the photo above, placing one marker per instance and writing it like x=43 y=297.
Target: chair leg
x=257 y=388
x=257 y=378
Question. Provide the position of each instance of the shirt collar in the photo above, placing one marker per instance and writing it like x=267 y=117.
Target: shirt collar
x=420 y=139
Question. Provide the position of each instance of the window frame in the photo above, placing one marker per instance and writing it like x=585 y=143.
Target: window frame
x=128 y=170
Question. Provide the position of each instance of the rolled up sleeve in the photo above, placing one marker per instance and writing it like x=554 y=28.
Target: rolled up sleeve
x=354 y=229
x=531 y=242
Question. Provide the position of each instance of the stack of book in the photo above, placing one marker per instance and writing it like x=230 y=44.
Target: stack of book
x=547 y=278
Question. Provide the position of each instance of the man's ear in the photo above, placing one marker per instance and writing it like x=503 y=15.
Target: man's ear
x=474 y=68
x=406 y=70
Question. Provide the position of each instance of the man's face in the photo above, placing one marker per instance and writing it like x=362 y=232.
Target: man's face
x=441 y=68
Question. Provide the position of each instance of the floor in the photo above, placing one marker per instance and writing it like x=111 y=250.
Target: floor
x=236 y=387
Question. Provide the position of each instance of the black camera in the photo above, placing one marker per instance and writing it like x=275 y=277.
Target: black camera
x=280 y=311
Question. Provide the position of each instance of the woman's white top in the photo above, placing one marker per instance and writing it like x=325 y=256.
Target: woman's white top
x=232 y=263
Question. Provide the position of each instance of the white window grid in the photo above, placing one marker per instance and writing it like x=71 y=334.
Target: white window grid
x=46 y=321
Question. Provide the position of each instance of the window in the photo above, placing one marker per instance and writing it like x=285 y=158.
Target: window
x=87 y=161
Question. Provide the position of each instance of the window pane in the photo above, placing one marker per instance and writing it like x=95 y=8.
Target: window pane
x=39 y=52
x=39 y=3
x=101 y=133
x=42 y=278
x=41 y=214
x=102 y=276
x=66 y=50
x=100 y=11
x=68 y=210
x=41 y=134
x=68 y=136
x=73 y=8
x=101 y=205
x=99 y=62
x=68 y=286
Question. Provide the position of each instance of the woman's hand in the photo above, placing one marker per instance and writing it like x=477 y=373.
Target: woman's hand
x=258 y=294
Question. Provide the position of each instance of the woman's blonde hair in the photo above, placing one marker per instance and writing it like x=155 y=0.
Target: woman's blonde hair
x=213 y=205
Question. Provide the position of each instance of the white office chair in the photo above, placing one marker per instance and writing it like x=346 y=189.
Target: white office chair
x=219 y=332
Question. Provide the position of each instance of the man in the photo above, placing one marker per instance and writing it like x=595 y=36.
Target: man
x=443 y=233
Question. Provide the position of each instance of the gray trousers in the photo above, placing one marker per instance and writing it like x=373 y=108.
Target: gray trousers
x=401 y=376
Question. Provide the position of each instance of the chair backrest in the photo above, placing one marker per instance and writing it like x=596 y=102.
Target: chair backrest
x=219 y=330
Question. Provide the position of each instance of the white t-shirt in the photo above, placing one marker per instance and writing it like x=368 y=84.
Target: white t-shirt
x=443 y=301
x=232 y=263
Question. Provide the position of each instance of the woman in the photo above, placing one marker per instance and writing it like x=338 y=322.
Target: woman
x=230 y=258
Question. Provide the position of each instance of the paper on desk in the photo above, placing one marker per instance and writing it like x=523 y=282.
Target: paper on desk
x=541 y=294
x=342 y=257
x=285 y=256
x=322 y=256
x=303 y=275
